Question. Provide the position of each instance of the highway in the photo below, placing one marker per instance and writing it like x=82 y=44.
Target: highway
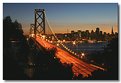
x=79 y=66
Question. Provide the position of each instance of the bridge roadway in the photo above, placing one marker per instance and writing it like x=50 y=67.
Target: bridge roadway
x=79 y=66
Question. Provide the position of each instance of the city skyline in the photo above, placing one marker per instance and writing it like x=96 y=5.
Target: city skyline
x=69 y=16
x=60 y=41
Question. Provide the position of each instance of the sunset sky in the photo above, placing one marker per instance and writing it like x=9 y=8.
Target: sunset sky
x=63 y=16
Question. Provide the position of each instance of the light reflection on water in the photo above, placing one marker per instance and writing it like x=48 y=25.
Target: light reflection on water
x=87 y=47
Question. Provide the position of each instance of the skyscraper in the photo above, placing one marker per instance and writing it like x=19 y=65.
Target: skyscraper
x=112 y=31
x=97 y=31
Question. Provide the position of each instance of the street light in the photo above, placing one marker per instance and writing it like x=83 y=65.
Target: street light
x=74 y=42
x=43 y=36
x=51 y=41
x=64 y=40
x=32 y=35
x=57 y=44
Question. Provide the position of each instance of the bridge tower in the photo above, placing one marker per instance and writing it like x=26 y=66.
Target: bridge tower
x=31 y=28
x=39 y=21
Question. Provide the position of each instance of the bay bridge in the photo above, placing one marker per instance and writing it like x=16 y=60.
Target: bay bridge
x=39 y=33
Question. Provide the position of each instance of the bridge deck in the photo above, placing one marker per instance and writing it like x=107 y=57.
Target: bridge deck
x=79 y=67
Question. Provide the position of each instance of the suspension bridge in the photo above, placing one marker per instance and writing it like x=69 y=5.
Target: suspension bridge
x=38 y=32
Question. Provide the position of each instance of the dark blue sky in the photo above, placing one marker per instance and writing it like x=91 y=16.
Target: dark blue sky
x=62 y=15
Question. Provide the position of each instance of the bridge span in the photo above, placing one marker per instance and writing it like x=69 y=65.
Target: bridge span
x=79 y=66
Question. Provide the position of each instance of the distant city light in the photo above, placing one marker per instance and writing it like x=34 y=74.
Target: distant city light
x=92 y=60
x=102 y=64
x=65 y=35
x=82 y=54
x=27 y=39
x=81 y=41
x=90 y=41
x=54 y=57
x=99 y=41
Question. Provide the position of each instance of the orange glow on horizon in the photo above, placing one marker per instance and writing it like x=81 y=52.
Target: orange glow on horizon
x=64 y=29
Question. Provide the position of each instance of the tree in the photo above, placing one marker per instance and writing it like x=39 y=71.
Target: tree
x=11 y=30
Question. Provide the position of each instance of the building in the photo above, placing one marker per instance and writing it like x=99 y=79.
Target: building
x=112 y=33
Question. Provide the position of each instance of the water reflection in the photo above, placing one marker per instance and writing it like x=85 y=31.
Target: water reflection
x=87 y=47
